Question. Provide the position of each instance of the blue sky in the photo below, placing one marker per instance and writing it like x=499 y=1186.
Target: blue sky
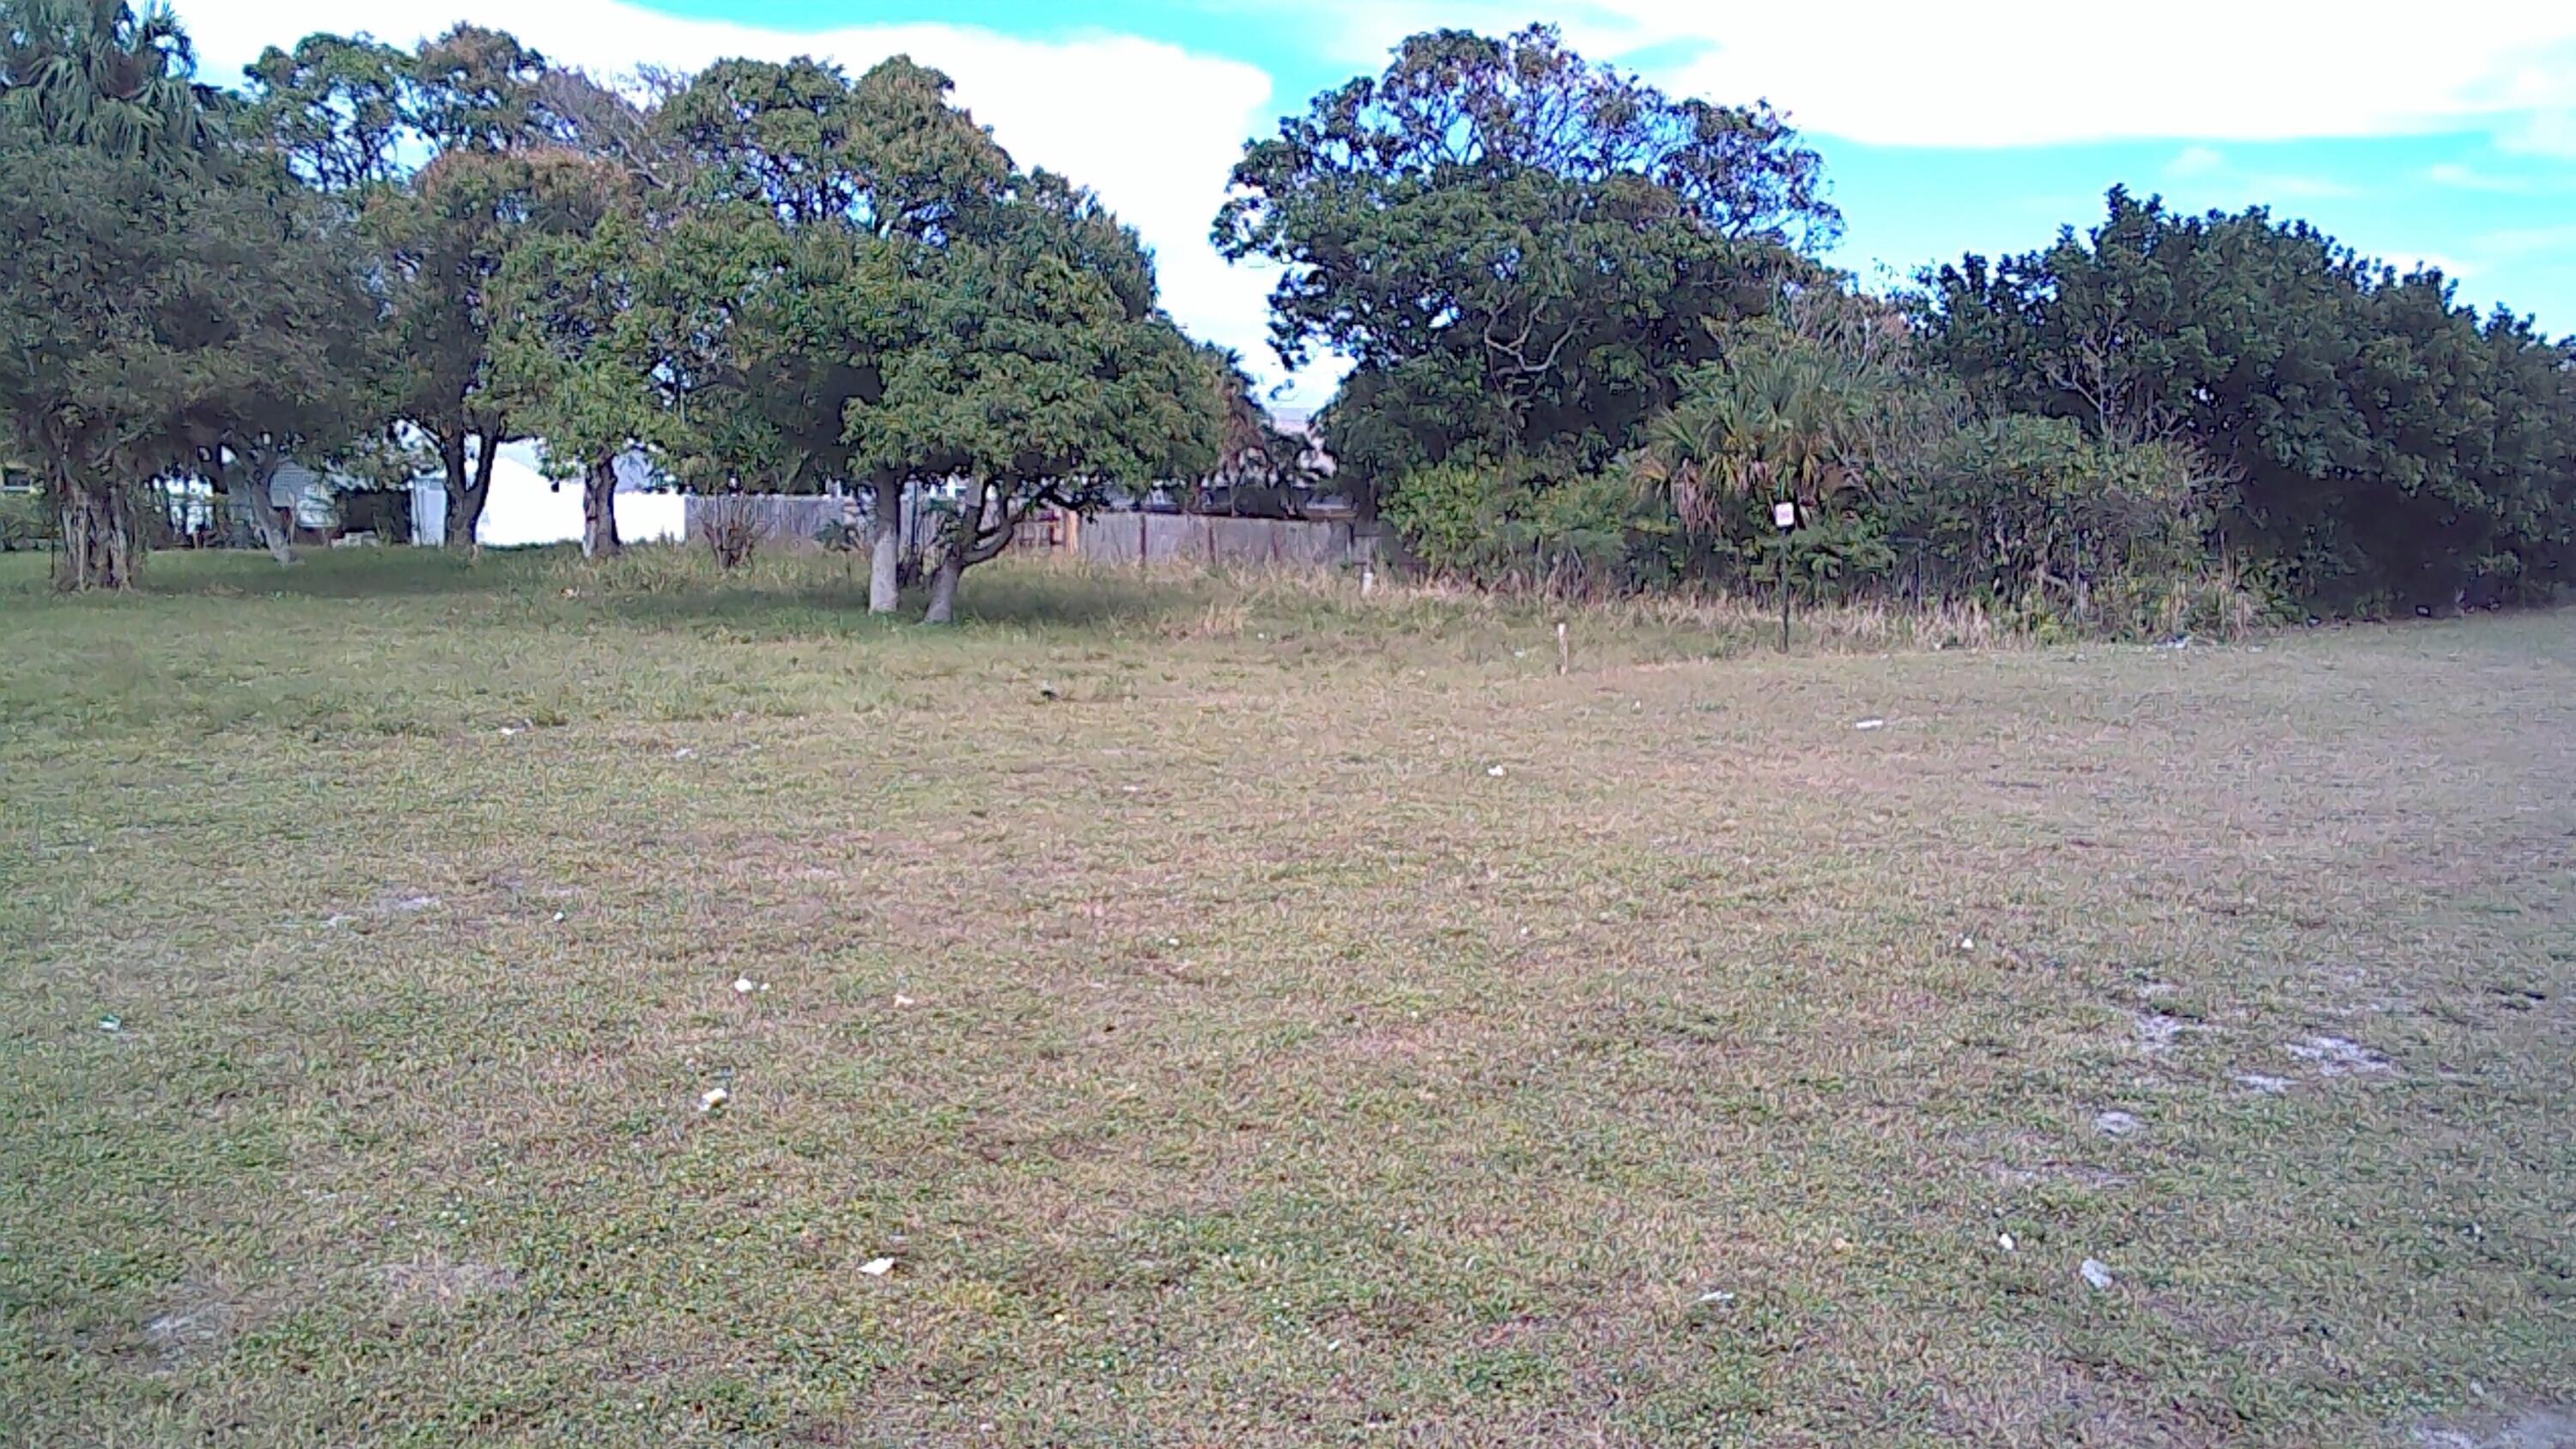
x=2439 y=134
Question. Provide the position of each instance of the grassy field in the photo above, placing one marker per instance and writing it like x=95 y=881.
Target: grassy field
x=1254 y=1014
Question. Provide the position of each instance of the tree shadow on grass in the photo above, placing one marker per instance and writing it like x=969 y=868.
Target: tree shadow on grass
x=1065 y=602
x=338 y=573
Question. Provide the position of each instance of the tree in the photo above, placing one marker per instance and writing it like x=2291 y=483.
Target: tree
x=827 y=188
x=446 y=237
x=576 y=356
x=312 y=392
x=1515 y=248
x=1043 y=375
x=341 y=111
x=100 y=74
x=154 y=320
x=2384 y=444
x=451 y=154
x=1262 y=470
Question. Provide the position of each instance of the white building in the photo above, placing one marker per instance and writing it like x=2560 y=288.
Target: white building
x=525 y=507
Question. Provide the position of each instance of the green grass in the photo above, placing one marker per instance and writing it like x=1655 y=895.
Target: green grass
x=1158 y=972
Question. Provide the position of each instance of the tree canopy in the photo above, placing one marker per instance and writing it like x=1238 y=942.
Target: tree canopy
x=2379 y=438
x=1515 y=248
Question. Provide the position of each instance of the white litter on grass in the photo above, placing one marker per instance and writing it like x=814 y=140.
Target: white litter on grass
x=744 y=986
x=111 y=1023
x=1496 y=772
x=2096 y=1274
x=2270 y=1086
x=559 y=915
x=712 y=1098
x=2335 y=1057
x=2115 y=1124
x=2005 y=1242
x=1871 y=724
x=684 y=753
x=1967 y=943
x=508 y=730
x=877 y=1267
x=902 y=1000
x=1715 y=1296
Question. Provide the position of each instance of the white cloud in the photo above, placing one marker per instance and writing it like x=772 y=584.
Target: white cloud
x=2521 y=241
x=2206 y=167
x=2543 y=133
x=1151 y=127
x=2033 y=72
x=2196 y=161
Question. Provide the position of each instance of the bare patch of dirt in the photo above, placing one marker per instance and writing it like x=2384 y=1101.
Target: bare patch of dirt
x=188 y=1330
x=2333 y=1056
x=2537 y=1429
x=436 y=1282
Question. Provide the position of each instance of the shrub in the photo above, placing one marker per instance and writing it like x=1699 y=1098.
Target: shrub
x=26 y=521
x=730 y=531
x=1529 y=523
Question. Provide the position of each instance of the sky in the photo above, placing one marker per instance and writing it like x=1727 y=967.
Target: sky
x=2437 y=134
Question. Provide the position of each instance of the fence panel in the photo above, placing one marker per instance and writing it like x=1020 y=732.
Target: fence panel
x=780 y=520
x=1217 y=541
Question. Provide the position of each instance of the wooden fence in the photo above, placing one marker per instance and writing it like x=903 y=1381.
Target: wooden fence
x=1138 y=539
x=1132 y=539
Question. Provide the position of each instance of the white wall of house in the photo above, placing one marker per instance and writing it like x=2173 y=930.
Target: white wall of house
x=526 y=507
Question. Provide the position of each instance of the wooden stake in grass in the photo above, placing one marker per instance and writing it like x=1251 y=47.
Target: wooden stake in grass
x=1564 y=656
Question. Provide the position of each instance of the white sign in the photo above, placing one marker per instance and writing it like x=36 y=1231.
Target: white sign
x=1785 y=514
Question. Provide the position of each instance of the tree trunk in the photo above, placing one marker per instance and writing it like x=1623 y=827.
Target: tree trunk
x=466 y=494
x=249 y=483
x=885 y=548
x=451 y=461
x=599 y=510
x=943 y=586
x=98 y=547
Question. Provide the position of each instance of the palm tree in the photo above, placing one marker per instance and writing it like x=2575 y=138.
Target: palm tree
x=98 y=73
x=1769 y=424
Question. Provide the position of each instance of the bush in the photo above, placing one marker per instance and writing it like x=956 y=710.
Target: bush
x=730 y=532
x=26 y=521
x=2030 y=514
x=1529 y=523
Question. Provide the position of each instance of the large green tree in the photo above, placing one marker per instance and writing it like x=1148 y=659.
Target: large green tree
x=157 y=321
x=1039 y=373
x=452 y=153
x=173 y=301
x=818 y=195
x=2382 y=441
x=1516 y=249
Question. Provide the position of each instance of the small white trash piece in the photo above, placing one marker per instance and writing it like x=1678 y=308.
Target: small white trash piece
x=744 y=986
x=1870 y=724
x=1496 y=772
x=2096 y=1274
x=712 y=1098
x=877 y=1267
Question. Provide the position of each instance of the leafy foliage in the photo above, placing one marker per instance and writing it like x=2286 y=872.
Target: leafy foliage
x=103 y=75
x=2382 y=441
x=1518 y=250
x=1522 y=523
x=161 y=312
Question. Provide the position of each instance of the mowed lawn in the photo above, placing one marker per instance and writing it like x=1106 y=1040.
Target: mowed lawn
x=1254 y=1014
